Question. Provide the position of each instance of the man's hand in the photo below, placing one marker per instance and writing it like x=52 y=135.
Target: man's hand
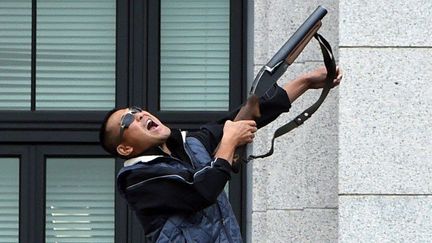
x=240 y=132
x=311 y=80
x=316 y=78
x=235 y=134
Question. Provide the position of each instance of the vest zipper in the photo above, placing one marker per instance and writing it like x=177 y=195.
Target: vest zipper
x=187 y=151
x=224 y=222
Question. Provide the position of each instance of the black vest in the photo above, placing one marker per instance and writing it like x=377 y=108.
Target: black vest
x=216 y=223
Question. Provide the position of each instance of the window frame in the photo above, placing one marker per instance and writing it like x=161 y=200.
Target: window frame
x=151 y=62
x=24 y=194
x=81 y=151
x=64 y=125
x=33 y=134
x=33 y=182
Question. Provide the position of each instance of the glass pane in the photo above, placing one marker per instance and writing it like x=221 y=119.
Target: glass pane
x=75 y=54
x=15 y=54
x=194 y=55
x=80 y=200
x=9 y=200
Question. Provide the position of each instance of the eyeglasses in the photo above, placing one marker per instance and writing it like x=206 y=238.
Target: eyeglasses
x=127 y=119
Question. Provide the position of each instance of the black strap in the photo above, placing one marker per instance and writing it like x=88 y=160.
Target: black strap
x=330 y=65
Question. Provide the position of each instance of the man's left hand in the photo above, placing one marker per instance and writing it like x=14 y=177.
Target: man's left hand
x=316 y=78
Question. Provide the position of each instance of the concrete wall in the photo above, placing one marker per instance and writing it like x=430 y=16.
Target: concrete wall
x=360 y=169
x=385 y=121
x=294 y=192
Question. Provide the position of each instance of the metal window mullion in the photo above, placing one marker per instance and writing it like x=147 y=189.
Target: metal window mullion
x=31 y=197
x=33 y=57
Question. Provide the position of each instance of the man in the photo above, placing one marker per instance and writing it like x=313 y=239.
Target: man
x=174 y=180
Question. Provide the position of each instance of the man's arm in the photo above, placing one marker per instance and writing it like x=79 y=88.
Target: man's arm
x=311 y=80
x=275 y=102
x=156 y=189
x=272 y=104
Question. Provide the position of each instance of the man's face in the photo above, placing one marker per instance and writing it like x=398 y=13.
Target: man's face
x=144 y=131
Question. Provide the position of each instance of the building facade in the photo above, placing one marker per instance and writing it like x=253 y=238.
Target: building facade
x=358 y=171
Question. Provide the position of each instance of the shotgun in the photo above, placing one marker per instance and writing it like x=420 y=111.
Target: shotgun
x=279 y=63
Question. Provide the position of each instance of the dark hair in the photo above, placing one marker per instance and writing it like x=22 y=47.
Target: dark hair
x=107 y=138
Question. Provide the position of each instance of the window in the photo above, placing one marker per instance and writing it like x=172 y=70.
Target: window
x=63 y=61
x=191 y=74
x=64 y=64
x=15 y=54
x=194 y=62
x=79 y=200
x=59 y=193
x=75 y=61
x=9 y=200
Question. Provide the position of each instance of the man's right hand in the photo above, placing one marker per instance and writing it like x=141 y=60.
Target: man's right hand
x=239 y=132
x=235 y=134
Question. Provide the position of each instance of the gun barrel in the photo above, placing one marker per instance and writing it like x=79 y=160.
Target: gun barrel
x=299 y=36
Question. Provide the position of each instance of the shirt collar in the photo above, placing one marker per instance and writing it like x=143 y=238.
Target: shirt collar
x=144 y=159
x=147 y=158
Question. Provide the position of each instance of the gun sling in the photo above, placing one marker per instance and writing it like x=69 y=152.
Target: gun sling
x=330 y=65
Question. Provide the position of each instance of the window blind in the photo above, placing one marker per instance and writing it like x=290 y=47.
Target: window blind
x=80 y=200
x=75 y=63
x=15 y=54
x=9 y=200
x=194 y=69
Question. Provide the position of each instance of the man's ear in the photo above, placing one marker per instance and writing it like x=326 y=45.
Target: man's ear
x=124 y=150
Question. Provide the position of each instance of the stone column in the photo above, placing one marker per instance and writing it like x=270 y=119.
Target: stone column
x=294 y=192
x=385 y=121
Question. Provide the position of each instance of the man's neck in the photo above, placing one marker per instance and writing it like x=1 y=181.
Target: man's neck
x=164 y=148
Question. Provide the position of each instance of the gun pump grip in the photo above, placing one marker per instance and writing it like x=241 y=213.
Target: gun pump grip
x=250 y=111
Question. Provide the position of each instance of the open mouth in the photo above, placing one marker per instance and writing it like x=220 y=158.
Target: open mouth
x=151 y=125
